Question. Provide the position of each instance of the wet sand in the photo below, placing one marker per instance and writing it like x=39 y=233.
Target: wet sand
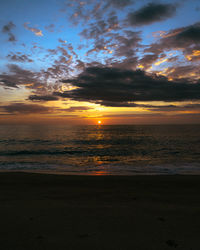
x=39 y=211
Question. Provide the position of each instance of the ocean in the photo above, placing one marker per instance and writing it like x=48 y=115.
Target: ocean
x=101 y=150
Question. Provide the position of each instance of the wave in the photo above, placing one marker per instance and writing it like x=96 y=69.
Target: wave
x=106 y=169
x=88 y=152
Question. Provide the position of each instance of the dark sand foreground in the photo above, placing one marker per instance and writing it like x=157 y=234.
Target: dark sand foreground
x=40 y=211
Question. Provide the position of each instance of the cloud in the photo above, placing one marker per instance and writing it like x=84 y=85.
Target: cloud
x=118 y=3
x=42 y=82
x=150 y=13
x=168 y=108
x=43 y=98
x=50 y=28
x=8 y=83
x=62 y=41
x=100 y=27
x=186 y=38
x=123 y=44
x=185 y=71
x=22 y=108
x=190 y=33
x=103 y=29
x=18 y=76
x=79 y=11
x=18 y=57
x=194 y=56
x=147 y=60
x=7 y=29
x=60 y=65
x=80 y=65
x=127 y=43
x=174 y=108
x=36 y=31
x=63 y=58
x=129 y=63
x=106 y=84
x=89 y=10
x=76 y=108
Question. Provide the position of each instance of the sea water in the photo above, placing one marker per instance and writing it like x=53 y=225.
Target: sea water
x=103 y=149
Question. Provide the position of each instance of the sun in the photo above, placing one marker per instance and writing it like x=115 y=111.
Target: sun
x=99 y=122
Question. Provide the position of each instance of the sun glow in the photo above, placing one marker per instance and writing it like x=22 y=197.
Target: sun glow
x=99 y=122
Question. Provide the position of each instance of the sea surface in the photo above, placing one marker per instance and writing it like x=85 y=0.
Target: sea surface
x=97 y=150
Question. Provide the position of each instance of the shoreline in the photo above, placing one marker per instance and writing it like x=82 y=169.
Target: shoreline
x=95 y=173
x=47 y=211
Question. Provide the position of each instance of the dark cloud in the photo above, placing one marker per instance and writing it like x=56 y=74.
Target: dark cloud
x=8 y=27
x=185 y=38
x=11 y=38
x=22 y=108
x=43 y=98
x=127 y=43
x=170 y=107
x=76 y=108
x=174 y=108
x=80 y=65
x=190 y=34
x=187 y=71
x=40 y=82
x=8 y=82
x=148 y=59
x=121 y=104
x=129 y=63
x=19 y=57
x=103 y=84
x=150 y=13
x=16 y=77
x=8 y=30
x=21 y=77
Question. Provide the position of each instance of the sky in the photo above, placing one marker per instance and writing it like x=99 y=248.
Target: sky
x=118 y=61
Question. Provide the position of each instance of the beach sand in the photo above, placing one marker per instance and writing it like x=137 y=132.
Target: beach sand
x=44 y=211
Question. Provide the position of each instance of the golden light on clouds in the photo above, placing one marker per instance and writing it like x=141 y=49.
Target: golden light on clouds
x=195 y=53
x=162 y=60
x=140 y=66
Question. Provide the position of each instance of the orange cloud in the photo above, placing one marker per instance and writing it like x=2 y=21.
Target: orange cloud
x=36 y=31
x=195 y=53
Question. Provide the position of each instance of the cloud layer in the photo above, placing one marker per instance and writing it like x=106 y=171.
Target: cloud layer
x=150 y=13
x=113 y=85
x=114 y=53
x=7 y=29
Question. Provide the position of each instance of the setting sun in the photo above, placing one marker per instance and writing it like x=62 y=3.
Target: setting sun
x=99 y=122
